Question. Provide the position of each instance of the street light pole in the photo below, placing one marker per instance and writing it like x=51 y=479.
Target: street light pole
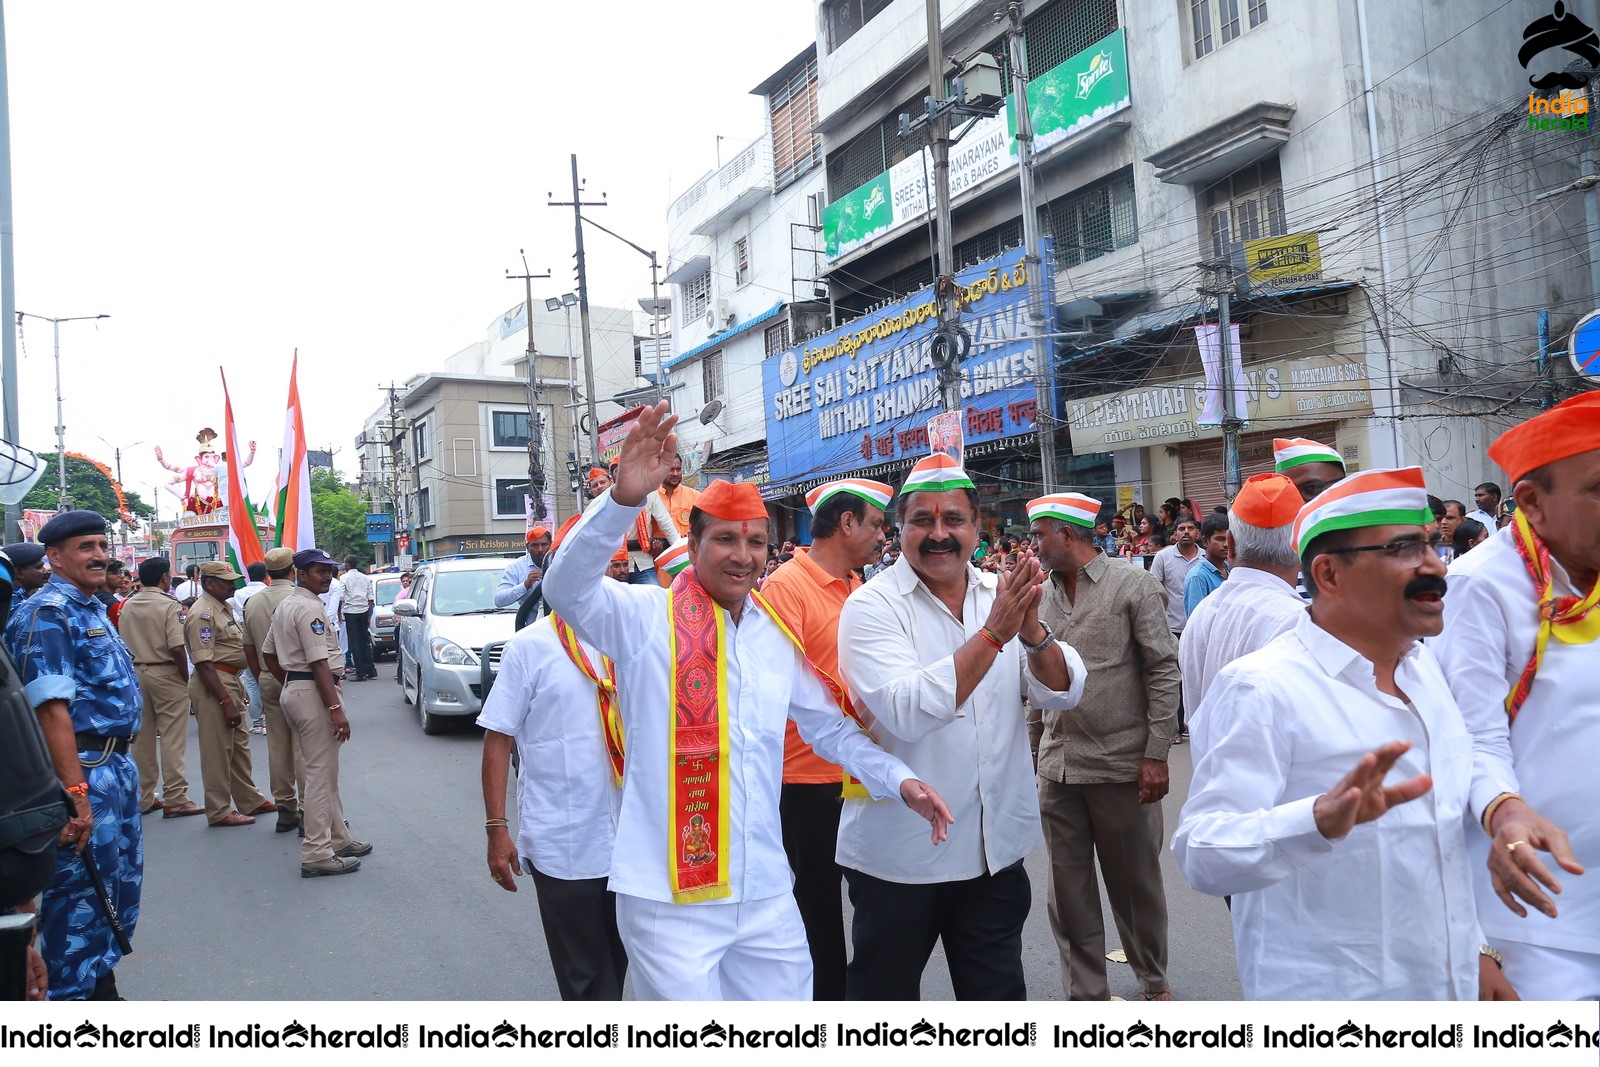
x=655 y=294
x=577 y=204
x=535 y=458
x=63 y=502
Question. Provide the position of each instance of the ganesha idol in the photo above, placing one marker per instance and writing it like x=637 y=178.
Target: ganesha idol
x=203 y=485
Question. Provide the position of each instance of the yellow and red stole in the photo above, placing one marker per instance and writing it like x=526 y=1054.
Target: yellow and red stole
x=605 y=685
x=1569 y=619
x=697 y=744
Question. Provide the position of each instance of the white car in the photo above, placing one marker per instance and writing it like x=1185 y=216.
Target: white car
x=445 y=623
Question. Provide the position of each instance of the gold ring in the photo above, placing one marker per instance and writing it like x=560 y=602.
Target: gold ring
x=1512 y=845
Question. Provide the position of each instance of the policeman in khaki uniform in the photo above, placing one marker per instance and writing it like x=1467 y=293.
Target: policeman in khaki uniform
x=304 y=647
x=151 y=625
x=216 y=646
x=286 y=765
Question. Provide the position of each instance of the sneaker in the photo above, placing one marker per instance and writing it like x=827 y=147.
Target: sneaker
x=259 y=728
x=354 y=848
x=329 y=866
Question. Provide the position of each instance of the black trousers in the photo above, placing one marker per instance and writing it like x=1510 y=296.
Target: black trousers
x=979 y=920
x=810 y=818
x=579 y=917
x=359 y=634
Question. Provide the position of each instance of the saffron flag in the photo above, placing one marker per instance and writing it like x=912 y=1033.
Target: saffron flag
x=244 y=540
x=292 y=500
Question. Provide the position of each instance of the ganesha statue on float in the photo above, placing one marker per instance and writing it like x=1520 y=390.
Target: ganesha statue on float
x=203 y=483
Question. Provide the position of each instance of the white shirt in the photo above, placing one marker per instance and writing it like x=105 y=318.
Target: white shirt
x=1491 y=621
x=1171 y=568
x=357 y=592
x=1484 y=517
x=767 y=683
x=1249 y=610
x=511 y=589
x=897 y=645
x=567 y=804
x=238 y=600
x=333 y=601
x=187 y=590
x=1385 y=913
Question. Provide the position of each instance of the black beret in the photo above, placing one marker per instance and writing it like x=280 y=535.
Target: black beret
x=72 y=524
x=25 y=553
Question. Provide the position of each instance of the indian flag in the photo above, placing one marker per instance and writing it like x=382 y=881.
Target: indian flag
x=292 y=501
x=674 y=559
x=936 y=474
x=1369 y=498
x=1293 y=451
x=1067 y=507
x=244 y=540
x=875 y=493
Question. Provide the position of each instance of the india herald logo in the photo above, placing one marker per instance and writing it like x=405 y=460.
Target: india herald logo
x=1560 y=29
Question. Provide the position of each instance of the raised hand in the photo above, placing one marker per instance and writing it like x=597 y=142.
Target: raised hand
x=647 y=453
x=1016 y=603
x=925 y=800
x=1361 y=795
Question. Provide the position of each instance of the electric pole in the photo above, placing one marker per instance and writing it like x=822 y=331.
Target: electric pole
x=1044 y=415
x=535 y=460
x=944 y=282
x=64 y=502
x=1221 y=287
x=577 y=204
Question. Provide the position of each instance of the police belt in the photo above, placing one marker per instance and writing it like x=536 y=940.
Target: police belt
x=104 y=744
x=228 y=667
x=299 y=676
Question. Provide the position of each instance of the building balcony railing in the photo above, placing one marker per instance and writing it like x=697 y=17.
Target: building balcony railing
x=725 y=193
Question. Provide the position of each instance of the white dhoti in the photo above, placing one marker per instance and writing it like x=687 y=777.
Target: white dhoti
x=753 y=950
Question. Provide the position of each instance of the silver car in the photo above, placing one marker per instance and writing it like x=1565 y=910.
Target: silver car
x=445 y=622
x=385 y=591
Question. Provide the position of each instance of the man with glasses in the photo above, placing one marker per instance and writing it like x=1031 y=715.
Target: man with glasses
x=1342 y=888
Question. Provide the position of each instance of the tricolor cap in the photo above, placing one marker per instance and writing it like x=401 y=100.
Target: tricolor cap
x=875 y=493
x=936 y=474
x=1068 y=507
x=739 y=502
x=1370 y=498
x=1294 y=451
x=1267 y=501
x=674 y=559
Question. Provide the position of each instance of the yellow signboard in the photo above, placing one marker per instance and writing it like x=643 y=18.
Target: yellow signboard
x=1271 y=259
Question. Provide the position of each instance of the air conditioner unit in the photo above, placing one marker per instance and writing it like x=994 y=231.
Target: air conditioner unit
x=717 y=315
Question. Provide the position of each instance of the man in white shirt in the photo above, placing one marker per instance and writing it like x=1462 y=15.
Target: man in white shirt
x=941 y=655
x=1345 y=887
x=523 y=574
x=1257 y=602
x=707 y=679
x=356 y=614
x=1487 y=497
x=257 y=575
x=188 y=590
x=1171 y=568
x=1521 y=645
x=547 y=701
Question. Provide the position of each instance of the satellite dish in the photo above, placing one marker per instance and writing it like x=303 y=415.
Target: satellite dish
x=709 y=413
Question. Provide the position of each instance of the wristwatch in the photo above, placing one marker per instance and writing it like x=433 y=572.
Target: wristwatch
x=1044 y=642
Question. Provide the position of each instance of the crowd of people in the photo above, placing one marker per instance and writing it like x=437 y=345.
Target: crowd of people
x=1381 y=791
x=1388 y=712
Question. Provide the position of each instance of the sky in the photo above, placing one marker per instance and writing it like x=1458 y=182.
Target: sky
x=232 y=182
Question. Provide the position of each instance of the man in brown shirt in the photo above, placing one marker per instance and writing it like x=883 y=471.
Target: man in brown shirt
x=1103 y=768
x=152 y=628
x=286 y=765
x=216 y=647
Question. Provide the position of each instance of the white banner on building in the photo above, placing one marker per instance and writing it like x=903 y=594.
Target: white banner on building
x=1206 y=338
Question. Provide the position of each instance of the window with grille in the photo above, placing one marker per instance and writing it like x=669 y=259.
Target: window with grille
x=1244 y=206
x=711 y=382
x=424 y=507
x=508 y=429
x=845 y=17
x=696 y=297
x=792 y=109
x=778 y=338
x=741 y=260
x=1213 y=23
x=1057 y=32
x=419 y=441
x=508 y=493
x=1095 y=220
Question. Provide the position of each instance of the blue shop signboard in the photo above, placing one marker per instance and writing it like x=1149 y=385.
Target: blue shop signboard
x=862 y=394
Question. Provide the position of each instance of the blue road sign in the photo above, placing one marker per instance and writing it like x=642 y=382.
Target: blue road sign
x=1585 y=345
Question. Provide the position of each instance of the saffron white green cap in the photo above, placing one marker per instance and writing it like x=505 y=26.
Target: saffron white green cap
x=936 y=474
x=1068 y=507
x=1369 y=498
x=674 y=559
x=874 y=493
x=1293 y=451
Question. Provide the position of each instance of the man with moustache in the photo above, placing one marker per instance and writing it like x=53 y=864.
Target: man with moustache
x=809 y=592
x=555 y=701
x=524 y=572
x=707 y=676
x=678 y=498
x=939 y=656
x=653 y=530
x=1343 y=886
x=81 y=682
x=216 y=648
x=1521 y=645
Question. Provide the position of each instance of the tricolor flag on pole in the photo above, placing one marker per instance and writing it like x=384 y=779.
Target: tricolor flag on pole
x=244 y=540
x=292 y=501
